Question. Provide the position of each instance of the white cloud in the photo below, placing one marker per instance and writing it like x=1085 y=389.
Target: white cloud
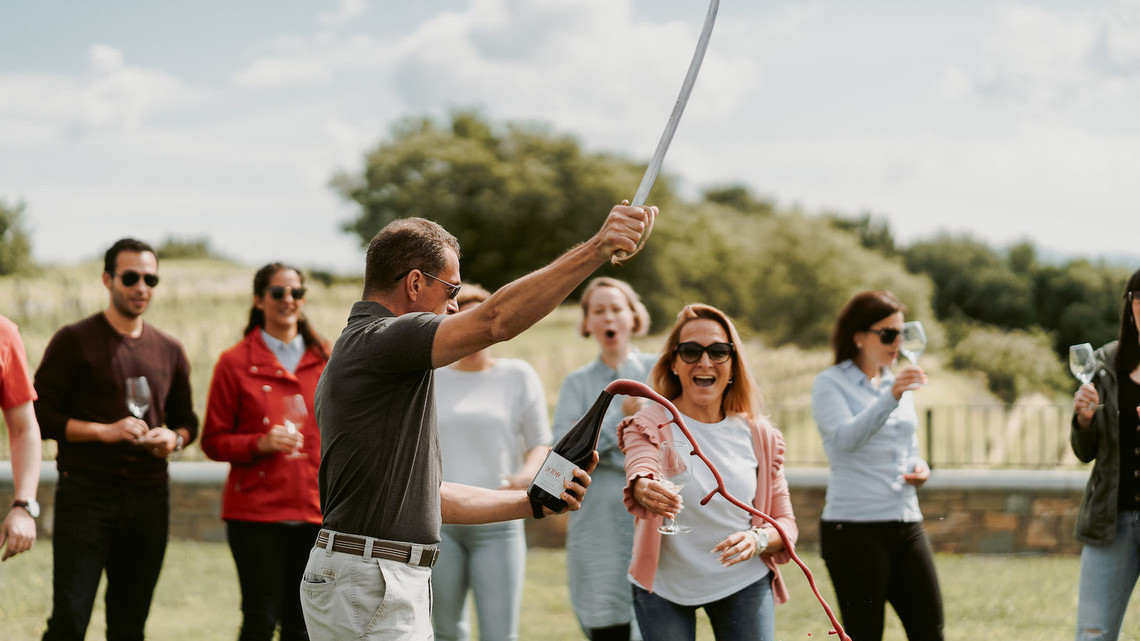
x=346 y=10
x=1043 y=59
x=111 y=95
x=278 y=72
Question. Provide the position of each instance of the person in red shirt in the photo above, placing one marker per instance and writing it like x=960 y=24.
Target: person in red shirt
x=271 y=503
x=18 y=531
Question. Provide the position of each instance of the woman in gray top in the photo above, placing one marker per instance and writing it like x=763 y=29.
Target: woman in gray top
x=599 y=539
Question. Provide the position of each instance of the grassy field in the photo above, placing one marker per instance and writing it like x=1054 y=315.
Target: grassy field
x=986 y=597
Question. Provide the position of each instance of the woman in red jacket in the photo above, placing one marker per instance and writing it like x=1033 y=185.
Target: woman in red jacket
x=271 y=504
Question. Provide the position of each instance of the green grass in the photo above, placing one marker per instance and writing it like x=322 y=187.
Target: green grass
x=986 y=597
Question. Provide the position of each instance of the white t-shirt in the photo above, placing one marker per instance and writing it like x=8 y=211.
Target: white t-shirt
x=488 y=420
x=688 y=572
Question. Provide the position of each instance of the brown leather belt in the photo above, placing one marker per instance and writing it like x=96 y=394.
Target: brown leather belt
x=381 y=549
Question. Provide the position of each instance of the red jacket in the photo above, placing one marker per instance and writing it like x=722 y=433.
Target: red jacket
x=240 y=408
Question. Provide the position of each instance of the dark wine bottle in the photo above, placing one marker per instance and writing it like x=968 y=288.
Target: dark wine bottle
x=574 y=449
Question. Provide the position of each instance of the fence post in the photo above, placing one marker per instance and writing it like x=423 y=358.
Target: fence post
x=929 y=438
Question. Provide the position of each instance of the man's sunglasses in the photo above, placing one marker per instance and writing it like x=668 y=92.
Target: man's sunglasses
x=718 y=352
x=278 y=292
x=452 y=289
x=130 y=278
x=887 y=335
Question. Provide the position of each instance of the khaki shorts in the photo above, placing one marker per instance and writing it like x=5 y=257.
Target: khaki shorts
x=345 y=596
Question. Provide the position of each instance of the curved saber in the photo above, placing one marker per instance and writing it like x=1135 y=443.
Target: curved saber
x=654 y=167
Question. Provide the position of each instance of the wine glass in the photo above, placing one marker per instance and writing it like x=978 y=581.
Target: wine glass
x=138 y=396
x=1081 y=362
x=293 y=415
x=913 y=341
x=675 y=473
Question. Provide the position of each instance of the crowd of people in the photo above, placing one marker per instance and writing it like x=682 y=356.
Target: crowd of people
x=377 y=483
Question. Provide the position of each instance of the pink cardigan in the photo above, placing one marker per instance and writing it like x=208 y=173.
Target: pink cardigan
x=640 y=439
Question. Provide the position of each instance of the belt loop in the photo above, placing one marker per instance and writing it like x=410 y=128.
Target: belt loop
x=329 y=546
x=367 y=548
x=415 y=554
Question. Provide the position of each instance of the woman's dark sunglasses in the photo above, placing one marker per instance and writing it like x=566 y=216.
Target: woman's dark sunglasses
x=131 y=278
x=887 y=335
x=278 y=292
x=718 y=352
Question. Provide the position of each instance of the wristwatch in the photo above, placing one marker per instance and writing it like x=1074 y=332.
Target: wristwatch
x=761 y=540
x=30 y=506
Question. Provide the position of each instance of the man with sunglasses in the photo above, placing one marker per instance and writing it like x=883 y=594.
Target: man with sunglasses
x=380 y=477
x=112 y=504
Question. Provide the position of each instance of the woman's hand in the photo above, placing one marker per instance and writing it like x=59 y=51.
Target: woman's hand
x=1085 y=403
x=910 y=378
x=741 y=546
x=632 y=405
x=918 y=476
x=655 y=497
x=280 y=439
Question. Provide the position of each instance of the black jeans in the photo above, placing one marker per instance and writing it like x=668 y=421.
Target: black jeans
x=270 y=560
x=874 y=563
x=100 y=526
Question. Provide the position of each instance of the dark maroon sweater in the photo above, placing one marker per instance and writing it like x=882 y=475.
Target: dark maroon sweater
x=82 y=376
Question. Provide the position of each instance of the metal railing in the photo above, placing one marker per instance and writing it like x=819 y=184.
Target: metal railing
x=957 y=436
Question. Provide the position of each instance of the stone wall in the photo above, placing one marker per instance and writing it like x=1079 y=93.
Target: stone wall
x=995 y=511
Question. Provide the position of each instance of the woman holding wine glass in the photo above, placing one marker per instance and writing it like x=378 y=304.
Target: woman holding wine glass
x=493 y=433
x=704 y=372
x=871 y=534
x=262 y=387
x=599 y=536
x=1106 y=429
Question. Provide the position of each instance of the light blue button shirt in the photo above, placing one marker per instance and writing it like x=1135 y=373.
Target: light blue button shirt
x=288 y=354
x=871 y=440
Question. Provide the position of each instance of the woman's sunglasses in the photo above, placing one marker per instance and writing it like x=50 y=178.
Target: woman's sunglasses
x=887 y=335
x=130 y=278
x=278 y=292
x=718 y=352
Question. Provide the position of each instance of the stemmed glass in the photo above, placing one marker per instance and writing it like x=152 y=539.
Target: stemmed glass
x=138 y=397
x=293 y=415
x=913 y=341
x=1081 y=362
x=675 y=474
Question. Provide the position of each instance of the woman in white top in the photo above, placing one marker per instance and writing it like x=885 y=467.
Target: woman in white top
x=871 y=534
x=727 y=563
x=493 y=432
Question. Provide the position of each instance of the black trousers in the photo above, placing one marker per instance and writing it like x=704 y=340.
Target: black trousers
x=270 y=559
x=105 y=527
x=875 y=563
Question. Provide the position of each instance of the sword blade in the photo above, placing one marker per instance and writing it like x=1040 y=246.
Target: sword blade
x=654 y=167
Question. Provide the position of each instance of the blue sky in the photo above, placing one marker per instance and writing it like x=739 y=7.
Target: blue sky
x=1008 y=120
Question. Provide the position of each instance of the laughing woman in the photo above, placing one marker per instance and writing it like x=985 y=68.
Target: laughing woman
x=704 y=372
x=871 y=534
x=599 y=536
x=271 y=503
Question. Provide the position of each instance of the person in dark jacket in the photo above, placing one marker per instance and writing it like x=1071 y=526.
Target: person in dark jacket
x=1106 y=428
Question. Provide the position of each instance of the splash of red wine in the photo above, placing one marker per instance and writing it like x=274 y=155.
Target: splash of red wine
x=634 y=388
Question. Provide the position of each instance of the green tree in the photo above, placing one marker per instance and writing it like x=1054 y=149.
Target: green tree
x=516 y=196
x=1079 y=303
x=15 y=244
x=873 y=232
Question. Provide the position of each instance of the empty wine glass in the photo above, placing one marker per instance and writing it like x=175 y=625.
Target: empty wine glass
x=675 y=474
x=138 y=396
x=913 y=341
x=1082 y=363
x=293 y=415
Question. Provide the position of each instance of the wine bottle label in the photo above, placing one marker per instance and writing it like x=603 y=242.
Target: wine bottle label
x=554 y=473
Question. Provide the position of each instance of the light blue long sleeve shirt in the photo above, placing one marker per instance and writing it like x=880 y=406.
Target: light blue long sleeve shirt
x=871 y=440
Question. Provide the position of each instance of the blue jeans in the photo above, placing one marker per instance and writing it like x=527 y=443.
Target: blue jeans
x=490 y=561
x=746 y=615
x=100 y=526
x=270 y=559
x=1108 y=574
